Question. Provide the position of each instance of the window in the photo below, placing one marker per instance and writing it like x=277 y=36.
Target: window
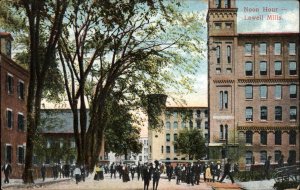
x=263 y=137
x=278 y=93
x=263 y=48
x=206 y=113
x=277 y=155
x=218 y=25
x=228 y=25
x=206 y=124
x=292 y=68
x=248 y=157
x=10 y=84
x=168 y=114
x=21 y=90
x=263 y=91
x=292 y=137
x=175 y=125
x=277 y=48
x=8 y=153
x=168 y=125
x=221 y=132
x=248 y=91
x=198 y=112
x=20 y=154
x=248 y=49
x=218 y=70
x=191 y=124
x=249 y=137
x=162 y=149
x=20 y=122
x=183 y=124
x=198 y=124
x=221 y=100
x=249 y=114
x=218 y=54
x=168 y=137
x=228 y=70
x=225 y=99
x=278 y=113
x=218 y=3
x=248 y=69
x=9 y=118
x=293 y=113
x=175 y=115
x=175 y=136
x=168 y=149
x=293 y=91
x=263 y=113
x=227 y=4
x=228 y=54
x=292 y=48
x=226 y=133
x=278 y=68
x=292 y=156
x=263 y=68
x=277 y=137
x=263 y=156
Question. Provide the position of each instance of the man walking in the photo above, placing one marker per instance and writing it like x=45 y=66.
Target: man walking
x=43 y=171
x=267 y=167
x=227 y=171
x=7 y=171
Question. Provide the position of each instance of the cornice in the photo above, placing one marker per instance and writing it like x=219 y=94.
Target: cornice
x=223 y=81
x=258 y=128
x=272 y=80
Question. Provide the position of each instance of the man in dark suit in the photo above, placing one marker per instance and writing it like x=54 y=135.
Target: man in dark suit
x=7 y=171
x=147 y=172
x=227 y=171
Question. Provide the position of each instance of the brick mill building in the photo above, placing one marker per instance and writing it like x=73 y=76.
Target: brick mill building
x=253 y=89
x=14 y=82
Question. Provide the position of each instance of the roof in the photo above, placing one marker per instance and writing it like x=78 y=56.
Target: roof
x=6 y=34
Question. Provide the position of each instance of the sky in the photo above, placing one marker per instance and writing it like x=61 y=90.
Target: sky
x=254 y=16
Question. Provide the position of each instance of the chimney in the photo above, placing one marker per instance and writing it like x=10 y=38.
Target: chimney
x=5 y=43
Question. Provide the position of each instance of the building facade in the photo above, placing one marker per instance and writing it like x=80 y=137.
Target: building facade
x=14 y=82
x=253 y=89
x=175 y=119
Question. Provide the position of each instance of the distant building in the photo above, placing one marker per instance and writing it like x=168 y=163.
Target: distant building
x=253 y=89
x=57 y=129
x=174 y=119
x=14 y=82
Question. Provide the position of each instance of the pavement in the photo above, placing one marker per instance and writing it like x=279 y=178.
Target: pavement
x=118 y=184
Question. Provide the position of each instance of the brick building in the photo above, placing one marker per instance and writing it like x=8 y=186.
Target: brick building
x=253 y=89
x=175 y=119
x=14 y=82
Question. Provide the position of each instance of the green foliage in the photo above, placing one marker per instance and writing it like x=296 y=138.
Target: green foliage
x=192 y=143
x=121 y=136
x=286 y=185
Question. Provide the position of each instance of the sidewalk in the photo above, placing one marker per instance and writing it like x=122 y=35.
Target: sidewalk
x=18 y=183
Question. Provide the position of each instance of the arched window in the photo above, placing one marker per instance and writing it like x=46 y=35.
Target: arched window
x=263 y=137
x=168 y=137
x=277 y=137
x=218 y=54
x=228 y=54
x=168 y=125
x=249 y=137
x=292 y=137
x=175 y=125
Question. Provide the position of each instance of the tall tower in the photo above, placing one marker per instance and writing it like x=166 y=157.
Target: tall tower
x=222 y=40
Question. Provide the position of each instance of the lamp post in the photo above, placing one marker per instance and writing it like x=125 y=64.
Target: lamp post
x=207 y=149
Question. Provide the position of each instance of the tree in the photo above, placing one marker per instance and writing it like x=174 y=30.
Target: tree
x=192 y=143
x=121 y=135
x=44 y=22
x=125 y=48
